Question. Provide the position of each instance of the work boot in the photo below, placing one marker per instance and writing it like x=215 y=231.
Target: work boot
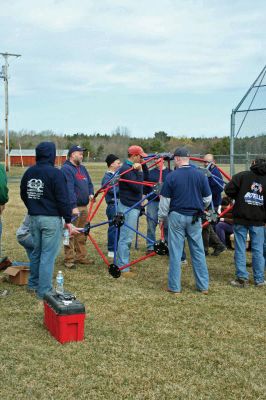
x=218 y=250
x=260 y=284
x=4 y=263
x=240 y=283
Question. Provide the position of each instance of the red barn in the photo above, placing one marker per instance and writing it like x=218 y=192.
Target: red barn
x=26 y=157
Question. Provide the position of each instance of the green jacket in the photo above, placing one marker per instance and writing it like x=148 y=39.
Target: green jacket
x=3 y=186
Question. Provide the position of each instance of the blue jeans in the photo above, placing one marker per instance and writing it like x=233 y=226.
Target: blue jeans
x=152 y=221
x=126 y=235
x=256 y=234
x=179 y=227
x=110 y=212
x=27 y=242
x=46 y=233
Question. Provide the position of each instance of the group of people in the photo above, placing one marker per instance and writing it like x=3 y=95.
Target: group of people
x=59 y=198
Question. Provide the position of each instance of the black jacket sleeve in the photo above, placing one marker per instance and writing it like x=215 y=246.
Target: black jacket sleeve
x=232 y=188
x=23 y=189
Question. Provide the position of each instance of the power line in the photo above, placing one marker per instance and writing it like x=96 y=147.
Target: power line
x=4 y=76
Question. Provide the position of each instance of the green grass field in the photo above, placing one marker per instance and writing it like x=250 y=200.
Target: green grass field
x=140 y=343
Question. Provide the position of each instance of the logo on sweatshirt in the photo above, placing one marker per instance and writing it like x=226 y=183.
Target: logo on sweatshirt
x=80 y=177
x=35 y=188
x=254 y=197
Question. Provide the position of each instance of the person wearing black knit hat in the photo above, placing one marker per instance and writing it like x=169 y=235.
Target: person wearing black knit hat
x=113 y=163
x=110 y=159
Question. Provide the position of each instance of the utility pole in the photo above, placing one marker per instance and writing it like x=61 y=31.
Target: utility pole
x=4 y=76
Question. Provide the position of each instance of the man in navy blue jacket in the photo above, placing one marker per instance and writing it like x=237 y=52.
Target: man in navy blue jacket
x=111 y=198
x=80 y=189
x=216 y=183
x=44 y=193
x=184 y=196
x=130 y=194
x=153 y=207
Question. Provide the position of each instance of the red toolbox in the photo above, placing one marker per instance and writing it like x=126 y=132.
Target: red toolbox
x=64 y=317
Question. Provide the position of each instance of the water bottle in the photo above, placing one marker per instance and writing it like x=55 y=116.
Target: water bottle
x=60 y=283
x=66 y=237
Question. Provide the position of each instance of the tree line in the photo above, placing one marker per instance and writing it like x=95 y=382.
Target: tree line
x=99 y=145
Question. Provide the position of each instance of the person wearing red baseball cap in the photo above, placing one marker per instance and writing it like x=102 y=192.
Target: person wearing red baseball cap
x=130 y=195
x=136 y=151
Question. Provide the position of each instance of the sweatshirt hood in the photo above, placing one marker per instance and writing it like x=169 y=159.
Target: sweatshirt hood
x=46 y=152
x=259 y=167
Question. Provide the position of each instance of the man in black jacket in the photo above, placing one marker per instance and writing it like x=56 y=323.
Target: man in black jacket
x=248 y=188
x=44 y=193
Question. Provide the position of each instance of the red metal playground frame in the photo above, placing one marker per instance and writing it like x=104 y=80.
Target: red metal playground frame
x=160 y=246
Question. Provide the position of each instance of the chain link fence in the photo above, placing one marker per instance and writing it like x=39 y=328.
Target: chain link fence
x=242 y=161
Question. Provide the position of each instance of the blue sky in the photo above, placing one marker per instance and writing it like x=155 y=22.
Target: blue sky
x=90 y=66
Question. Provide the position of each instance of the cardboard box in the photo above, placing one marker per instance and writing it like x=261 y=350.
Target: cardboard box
x=18 y=275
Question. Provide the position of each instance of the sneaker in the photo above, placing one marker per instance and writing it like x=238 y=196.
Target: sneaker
x=70 y=266
x=206 y=292
x=171 y=292
x=84 y=261
x=219 y=249
x=260 y=284
x=4 y=293
x=239 y=282
x=184 y=262
x=111 y=254
x=31 y=291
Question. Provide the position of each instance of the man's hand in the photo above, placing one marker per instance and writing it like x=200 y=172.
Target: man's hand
x=161 y=224
x=137 y=166
x=75 y=211
x=72 y=229
x=91 y=197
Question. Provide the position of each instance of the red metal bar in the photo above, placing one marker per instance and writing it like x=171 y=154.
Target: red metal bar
x=136 y=261
x=90 y=209
x=98 y=250
x=144 y=162
x=153 y=165
x=161 y=171
x=220 y=169
x=137 y=183
x=125 y=172
x=223 y=173
x=98 y=205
